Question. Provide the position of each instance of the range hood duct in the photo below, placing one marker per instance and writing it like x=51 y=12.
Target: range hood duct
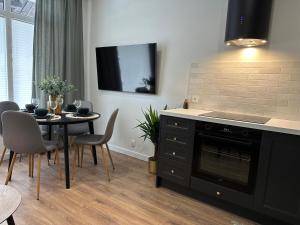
x=248 y=22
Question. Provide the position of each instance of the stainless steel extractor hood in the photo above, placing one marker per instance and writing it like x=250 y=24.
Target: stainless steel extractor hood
x=248 y=22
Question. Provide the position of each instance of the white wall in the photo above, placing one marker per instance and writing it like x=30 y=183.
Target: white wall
x=186 y=31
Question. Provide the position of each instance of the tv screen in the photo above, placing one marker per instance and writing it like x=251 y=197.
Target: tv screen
x=129 y=68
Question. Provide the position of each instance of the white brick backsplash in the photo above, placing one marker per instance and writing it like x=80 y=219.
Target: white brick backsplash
x=269 y=88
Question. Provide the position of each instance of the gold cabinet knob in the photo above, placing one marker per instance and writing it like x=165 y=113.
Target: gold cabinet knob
x=172 y=171
x=174 y=138
x=176 y=124
x=218 y=193
x=174 y=153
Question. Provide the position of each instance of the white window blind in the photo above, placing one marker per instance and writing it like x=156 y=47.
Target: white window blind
x=16 y=49
x=3 y=62
x=22 y=44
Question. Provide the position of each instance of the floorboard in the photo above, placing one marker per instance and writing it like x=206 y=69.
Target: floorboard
x=130 y=198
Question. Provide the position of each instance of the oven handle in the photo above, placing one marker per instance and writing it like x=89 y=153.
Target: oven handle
x=246 y=143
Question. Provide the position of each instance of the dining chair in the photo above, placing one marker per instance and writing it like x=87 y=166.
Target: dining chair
x=21 y=134
x=97 y=140
x=4 y=106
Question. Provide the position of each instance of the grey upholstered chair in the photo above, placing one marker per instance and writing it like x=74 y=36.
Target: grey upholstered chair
x=78 y=129
x=98 y=140
x=21 y=134
x=4 y=106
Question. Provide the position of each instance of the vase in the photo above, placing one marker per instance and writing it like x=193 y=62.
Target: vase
x=59 y=101
x=152 y=161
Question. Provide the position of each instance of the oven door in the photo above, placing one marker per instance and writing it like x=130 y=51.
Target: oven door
x=225 y=161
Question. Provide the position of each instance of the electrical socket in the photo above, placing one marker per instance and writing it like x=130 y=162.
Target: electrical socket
x=133 y=143
x=195 y=98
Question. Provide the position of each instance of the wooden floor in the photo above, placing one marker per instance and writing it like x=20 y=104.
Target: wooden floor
x=130 y=198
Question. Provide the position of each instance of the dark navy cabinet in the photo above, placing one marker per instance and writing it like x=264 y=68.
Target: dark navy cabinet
x=278 y=180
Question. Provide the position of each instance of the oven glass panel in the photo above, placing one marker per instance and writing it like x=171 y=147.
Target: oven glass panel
x=225 y=162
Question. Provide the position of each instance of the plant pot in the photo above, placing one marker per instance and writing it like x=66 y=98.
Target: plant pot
x=152 y=165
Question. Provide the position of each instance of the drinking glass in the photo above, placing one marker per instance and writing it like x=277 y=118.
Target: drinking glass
x=35 y=102
x=53 y=106
x=77 y=103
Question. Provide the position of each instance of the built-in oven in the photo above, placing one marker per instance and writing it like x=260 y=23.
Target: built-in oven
x=226 y=155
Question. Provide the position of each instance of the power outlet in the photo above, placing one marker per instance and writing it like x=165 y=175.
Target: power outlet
x=133 y=143
x=195 y=98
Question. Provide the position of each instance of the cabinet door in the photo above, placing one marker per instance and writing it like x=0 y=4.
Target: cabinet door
x=278 y=182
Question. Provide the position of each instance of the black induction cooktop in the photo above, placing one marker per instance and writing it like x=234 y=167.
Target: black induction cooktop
x=237 y=117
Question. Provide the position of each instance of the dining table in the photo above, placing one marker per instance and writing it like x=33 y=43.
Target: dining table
x=64 y=120
x=10 y=200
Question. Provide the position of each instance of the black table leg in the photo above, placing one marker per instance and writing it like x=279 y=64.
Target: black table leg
x=10 y=220
x=49 y=138
x=11 y=154
x=66 y=153
x=91 y=127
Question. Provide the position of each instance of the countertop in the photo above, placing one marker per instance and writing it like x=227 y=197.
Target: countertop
x=275 y=125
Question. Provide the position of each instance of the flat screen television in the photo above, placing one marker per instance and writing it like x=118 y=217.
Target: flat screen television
x=127 y=68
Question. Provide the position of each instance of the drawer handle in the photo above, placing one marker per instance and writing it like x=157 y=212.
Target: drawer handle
x=174 y=153
x=172 y=171
x=176 y=124
x=174 y=138
x=218 y=193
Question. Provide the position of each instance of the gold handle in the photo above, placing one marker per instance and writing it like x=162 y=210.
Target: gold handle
x=172 y=171
x=174 y=153
x=174 y=138
x=176 y=124
x=218 y=193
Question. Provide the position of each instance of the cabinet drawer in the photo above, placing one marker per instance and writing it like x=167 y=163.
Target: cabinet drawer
x=175 y=152
x=221 y=192
x=177 y=124
x=172 y=138
x=173 y=172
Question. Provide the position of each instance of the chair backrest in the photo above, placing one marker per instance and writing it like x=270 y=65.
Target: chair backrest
x=110 y=126
x=21 y=133
x=87 y=104
x=7 y=105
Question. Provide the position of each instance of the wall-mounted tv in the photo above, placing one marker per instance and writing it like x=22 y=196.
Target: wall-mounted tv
x=127 y=68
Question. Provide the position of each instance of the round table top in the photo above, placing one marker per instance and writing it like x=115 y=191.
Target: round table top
x=10 y=200
x=67 y=118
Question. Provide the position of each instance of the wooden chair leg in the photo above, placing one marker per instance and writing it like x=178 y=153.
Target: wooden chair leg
x=74 y=163
x=32 y=164
x=58 y=164
x=2 y=156
x=38 y=177
x=11 y=168
x=81 y=157
x=108 y=151
x=104 y=163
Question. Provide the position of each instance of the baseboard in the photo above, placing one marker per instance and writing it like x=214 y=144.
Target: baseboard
x=114 y=148
x=128 y=152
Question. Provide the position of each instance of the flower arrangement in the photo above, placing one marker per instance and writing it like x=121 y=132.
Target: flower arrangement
x=53 y=85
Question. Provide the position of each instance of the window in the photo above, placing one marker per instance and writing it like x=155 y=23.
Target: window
x=16 y=47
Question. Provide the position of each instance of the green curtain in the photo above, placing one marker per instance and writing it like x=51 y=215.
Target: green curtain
x=58 y=45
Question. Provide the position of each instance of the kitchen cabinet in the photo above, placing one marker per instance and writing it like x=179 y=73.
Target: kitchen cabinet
x=278 y=181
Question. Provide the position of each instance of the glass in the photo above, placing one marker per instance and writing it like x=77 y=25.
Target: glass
x=53 y=105
x=35 y=102
x=3 y=62
x=22 y=48
x=77 y=104
x=1 y=4
x=23 y=7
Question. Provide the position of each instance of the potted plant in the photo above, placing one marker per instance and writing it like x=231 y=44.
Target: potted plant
x=56 y=88
x=150 y=128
